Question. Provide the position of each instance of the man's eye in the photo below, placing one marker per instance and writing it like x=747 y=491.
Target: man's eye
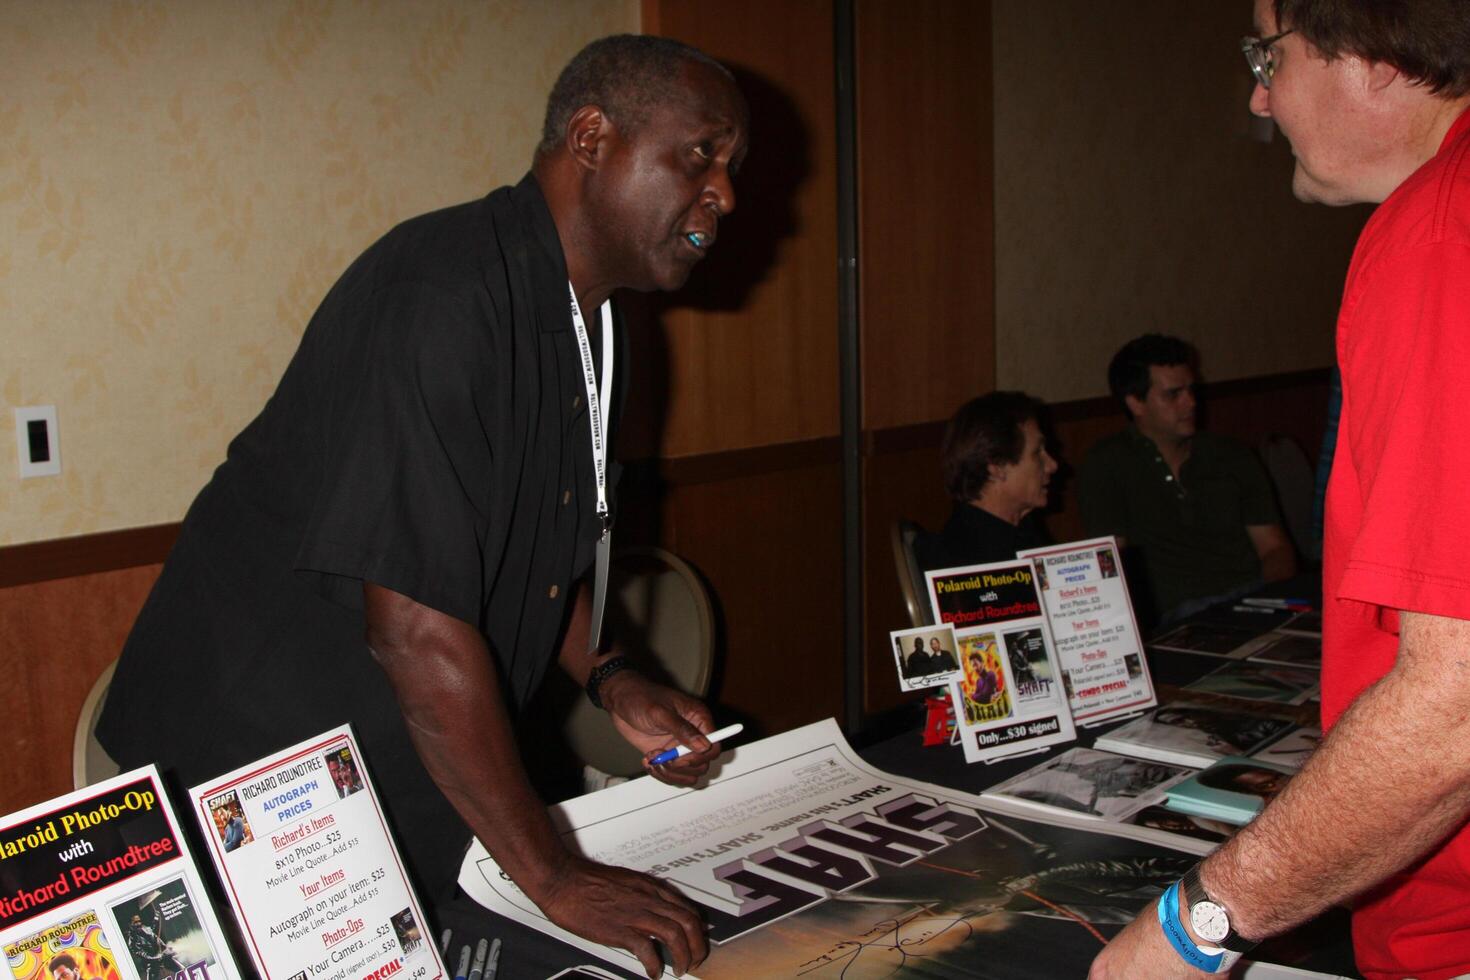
x=704 y=150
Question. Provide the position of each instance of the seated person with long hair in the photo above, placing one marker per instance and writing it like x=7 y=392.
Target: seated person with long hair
x=997 y=469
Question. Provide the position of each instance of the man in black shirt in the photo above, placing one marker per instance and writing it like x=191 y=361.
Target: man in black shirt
x=427 y=477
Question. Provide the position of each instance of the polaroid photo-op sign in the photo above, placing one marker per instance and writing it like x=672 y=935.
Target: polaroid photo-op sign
x=100 y=884
x=300 y=840
x=1097 y=639
x=1008 y=697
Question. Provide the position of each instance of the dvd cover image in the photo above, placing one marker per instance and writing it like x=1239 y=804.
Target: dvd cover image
x=74 y=949
x=164 y=935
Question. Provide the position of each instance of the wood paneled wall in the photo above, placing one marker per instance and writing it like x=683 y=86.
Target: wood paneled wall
x=746 y=354
x=739 y=392
x=926 y=280
x=55 y=638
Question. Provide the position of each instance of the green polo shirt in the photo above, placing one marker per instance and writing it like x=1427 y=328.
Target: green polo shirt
x=1188 y=535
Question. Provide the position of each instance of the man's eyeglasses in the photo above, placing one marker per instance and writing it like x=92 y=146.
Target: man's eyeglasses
x=1257 y=51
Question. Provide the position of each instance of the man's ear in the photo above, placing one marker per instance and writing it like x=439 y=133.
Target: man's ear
x=588 y=131
x=1135 y=405
x=1379 y=75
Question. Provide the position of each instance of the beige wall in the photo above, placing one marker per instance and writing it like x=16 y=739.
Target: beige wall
x=181 y=180
x=1129 y=198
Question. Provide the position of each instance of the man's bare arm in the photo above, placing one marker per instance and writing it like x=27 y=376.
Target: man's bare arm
x=1273 y=548
x=449 y=691
x=650 y=716
x=1389 y=782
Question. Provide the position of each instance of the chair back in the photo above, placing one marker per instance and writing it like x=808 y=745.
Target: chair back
x=910 y=575
x=90 y=763
x=1296 y=484
x=659 y=610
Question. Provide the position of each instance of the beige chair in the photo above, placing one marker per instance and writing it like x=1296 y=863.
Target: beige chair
x=659 y=610
x=89 y=762
x=910 y=575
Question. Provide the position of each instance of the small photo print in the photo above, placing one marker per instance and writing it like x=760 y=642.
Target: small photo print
x=1134 y=663
x=344 y=772
x=73 y=949
x=1290 y=650
x=1107 y=563
x=1030 y=668
x=983 y=693
x=1094 y=783
x=164 y=934
x=1259 y=682
x=1293 y=749
x=229 y=820
x=925 y=656
x=1174 y=822
x=407 y=931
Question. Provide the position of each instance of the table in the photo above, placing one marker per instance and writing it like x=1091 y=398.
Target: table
x=1323 y=945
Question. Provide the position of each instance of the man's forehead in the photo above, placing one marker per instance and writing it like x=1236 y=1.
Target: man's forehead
x=1166 y=376
x=1265 y=17
x=709 y=96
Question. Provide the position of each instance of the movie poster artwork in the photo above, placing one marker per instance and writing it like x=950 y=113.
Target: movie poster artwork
x=163 y=934
x=984 y=693
x=77 y=943
x=1007 y=699
x=806 y=862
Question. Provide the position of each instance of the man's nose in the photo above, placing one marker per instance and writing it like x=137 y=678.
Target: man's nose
x=720 y=192
x=1260 y=103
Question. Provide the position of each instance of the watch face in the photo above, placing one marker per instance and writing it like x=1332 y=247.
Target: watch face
x=1210 y=921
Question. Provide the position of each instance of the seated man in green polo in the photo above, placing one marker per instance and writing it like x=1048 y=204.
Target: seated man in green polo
x=1195 y=511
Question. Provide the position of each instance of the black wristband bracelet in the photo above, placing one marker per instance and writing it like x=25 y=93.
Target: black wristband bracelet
x=601 y=673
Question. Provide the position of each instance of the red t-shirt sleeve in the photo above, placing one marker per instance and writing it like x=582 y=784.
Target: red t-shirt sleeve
x=1409 y=415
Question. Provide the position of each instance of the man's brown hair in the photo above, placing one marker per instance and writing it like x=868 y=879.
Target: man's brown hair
x=1426 y=40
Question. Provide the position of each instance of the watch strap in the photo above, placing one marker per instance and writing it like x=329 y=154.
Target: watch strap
x=1195 y=891
x=1206 y=958
x=601 y=673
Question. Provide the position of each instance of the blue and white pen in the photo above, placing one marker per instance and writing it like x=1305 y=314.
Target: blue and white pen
x=678 y=751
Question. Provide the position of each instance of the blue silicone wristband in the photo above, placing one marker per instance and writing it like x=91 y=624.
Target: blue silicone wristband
x=1179 y=939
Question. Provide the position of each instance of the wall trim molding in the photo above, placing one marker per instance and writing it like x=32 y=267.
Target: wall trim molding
x=108 y=551
x=87 y=554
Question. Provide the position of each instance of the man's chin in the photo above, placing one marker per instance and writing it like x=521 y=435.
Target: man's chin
x=1313 y=190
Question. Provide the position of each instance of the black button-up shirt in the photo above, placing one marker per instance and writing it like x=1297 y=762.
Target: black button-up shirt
x=430 y=436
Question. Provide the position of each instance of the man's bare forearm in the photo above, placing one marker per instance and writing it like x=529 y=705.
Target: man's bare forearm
x=448 y=689
x=1390 y=781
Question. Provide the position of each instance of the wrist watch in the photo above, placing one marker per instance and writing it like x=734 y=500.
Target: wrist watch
x=601 y=673
x=1208 y=918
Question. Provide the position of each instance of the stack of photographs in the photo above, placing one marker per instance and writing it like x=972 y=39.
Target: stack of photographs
x=1234 y=790
x=1194 y=735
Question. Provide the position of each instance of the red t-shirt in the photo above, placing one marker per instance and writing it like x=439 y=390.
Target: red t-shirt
x=1398 y=510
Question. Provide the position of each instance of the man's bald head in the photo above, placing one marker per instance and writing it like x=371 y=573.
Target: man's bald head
x=625 y=75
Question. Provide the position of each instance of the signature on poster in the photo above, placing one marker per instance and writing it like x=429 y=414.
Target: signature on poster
x=890 y=943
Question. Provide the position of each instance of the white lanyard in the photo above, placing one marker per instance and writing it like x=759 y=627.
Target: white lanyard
x=598 y=398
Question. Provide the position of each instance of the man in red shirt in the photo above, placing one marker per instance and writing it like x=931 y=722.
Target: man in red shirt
x=1375 y=100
